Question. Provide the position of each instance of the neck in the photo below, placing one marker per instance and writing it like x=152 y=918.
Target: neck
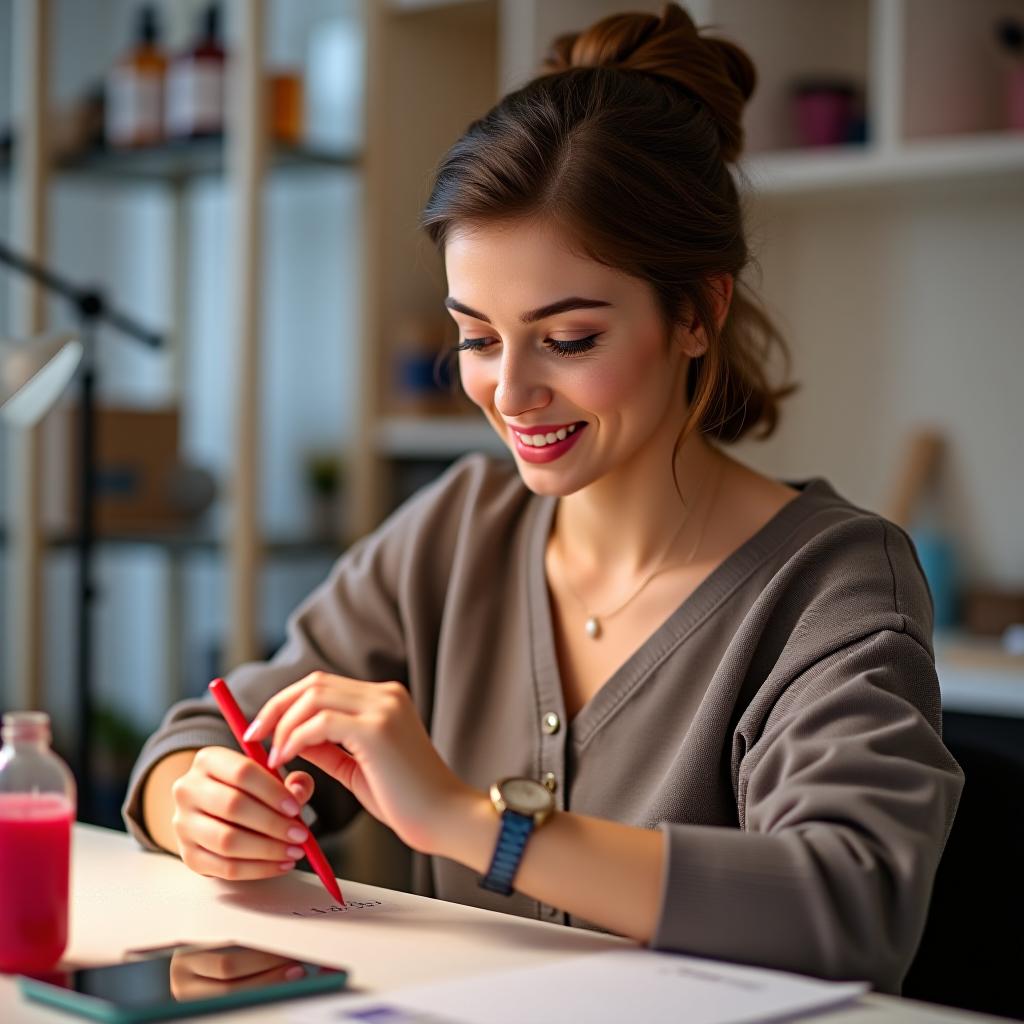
x=628 y=518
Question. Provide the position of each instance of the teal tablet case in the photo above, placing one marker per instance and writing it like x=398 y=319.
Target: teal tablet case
x=99 y=1009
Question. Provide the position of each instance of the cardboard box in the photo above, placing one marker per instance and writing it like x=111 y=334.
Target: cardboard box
x=136 y=452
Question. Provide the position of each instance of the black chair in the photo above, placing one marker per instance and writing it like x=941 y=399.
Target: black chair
x=973 y=944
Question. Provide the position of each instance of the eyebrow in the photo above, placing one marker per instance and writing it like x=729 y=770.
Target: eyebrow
x=531 y=317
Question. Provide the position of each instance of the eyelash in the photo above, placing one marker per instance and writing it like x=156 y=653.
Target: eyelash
x=565 y=349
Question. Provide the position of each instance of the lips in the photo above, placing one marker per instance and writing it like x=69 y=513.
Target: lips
x=548 y=451
x=543 y=434
x=542 y=428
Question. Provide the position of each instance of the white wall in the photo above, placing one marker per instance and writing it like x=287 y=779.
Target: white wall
x=903 y=310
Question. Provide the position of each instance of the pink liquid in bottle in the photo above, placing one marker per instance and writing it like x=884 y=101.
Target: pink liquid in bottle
x=35 y=847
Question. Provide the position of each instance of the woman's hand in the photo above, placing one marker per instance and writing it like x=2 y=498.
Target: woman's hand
x=388 y=761
x=233 y=819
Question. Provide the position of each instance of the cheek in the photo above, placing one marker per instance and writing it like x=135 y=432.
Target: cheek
x=477 y=380
x=636 y=379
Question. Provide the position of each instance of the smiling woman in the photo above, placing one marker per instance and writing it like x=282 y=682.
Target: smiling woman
x=623 y=680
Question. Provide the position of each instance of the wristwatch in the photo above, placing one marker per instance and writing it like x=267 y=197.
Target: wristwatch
x=524 y=805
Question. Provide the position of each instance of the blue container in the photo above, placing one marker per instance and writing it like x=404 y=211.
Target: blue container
x=938 y=559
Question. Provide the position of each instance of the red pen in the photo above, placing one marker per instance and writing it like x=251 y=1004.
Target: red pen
x=236 y=720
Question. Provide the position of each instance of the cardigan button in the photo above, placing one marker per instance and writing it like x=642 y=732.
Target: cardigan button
x=551 y=723
x=550 y=781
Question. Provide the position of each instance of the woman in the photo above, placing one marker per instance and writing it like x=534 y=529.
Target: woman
x=722 y=683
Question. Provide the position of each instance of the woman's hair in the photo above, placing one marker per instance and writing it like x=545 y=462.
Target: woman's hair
x=623 y=140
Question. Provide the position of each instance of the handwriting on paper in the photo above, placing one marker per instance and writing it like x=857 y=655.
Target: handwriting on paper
x=349 y=905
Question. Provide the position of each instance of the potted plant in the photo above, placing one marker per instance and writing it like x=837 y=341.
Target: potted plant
x=324 y=474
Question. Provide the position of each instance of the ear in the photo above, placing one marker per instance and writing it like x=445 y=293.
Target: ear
x=695 y=340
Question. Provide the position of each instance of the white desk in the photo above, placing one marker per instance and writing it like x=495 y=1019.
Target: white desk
x=125 y=898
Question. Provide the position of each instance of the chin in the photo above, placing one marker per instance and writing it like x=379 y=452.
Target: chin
x=551 y=482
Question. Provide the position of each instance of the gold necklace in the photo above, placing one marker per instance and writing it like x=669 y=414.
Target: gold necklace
x=593 y=623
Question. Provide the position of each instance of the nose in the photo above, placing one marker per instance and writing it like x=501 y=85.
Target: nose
x=520 y=387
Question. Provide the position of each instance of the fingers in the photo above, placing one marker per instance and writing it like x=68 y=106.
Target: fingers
x=323 y=727
x=240 y=772
x=205 y=862
x=336 y=709
x=252 y=829
x=224 y=830
x=318 y=699
x=322 y=683
x=333 y=760
x=300 y=785
x=268 y=716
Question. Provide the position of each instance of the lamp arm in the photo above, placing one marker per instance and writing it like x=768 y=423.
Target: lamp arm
x=89 y=303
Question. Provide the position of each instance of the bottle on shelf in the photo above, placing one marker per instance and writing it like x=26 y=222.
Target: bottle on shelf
x=285 y=104
x=135 y=88
x=196 y=83
x=37 y=807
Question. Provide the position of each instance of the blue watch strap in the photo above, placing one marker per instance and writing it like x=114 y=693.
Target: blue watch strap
x=515 y=830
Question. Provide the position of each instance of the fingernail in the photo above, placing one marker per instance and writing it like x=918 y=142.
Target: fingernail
x=286 y=865
x=297 y=834
x=294 y=973
x=293 y=851
x=252 y=730
x=290 y=807
x=272 y=757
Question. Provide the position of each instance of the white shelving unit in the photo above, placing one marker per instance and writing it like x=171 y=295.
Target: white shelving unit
x=244 y=160
x=930 y=73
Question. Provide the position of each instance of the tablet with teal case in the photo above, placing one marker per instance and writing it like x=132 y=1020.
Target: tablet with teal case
x=182 y=982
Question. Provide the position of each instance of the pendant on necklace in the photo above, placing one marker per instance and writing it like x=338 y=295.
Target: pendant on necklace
x=593 y=627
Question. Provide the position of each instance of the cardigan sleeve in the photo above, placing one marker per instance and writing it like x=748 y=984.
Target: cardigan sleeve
x=845 y=797
x=847 y=803
x=381 y=597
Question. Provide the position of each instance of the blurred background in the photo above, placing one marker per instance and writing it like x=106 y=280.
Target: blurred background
x=241 y=180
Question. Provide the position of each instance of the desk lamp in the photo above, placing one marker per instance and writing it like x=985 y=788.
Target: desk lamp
x=34 y=373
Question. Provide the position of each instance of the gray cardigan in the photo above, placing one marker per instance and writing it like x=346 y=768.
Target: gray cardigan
x=781 y=728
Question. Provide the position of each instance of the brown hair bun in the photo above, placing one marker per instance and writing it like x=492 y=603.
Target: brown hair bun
x=714 y=71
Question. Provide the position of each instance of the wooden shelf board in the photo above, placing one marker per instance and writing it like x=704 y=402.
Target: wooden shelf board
x=191 y=540
x=181 y=161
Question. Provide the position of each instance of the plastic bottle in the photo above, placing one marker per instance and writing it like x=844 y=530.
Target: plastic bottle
x=37 y=807
x=135 y=89
x=196 y=83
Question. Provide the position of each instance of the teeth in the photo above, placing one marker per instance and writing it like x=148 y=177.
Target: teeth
x=540 y=440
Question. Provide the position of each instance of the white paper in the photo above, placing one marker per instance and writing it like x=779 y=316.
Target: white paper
x=620 y=985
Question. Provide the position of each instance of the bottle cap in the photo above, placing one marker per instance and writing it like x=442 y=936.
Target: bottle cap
x=25 y=725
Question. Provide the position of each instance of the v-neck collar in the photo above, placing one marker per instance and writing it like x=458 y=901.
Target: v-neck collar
x=694 y=608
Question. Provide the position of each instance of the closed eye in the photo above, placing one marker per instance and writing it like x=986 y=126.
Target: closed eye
x=575 y=347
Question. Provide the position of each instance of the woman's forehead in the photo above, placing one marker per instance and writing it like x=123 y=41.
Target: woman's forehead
x=532 y=259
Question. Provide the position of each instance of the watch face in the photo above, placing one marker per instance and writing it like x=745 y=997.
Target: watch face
x=527 y=796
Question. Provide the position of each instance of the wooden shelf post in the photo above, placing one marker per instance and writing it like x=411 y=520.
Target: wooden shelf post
x=29 y=209
x=246 y=162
